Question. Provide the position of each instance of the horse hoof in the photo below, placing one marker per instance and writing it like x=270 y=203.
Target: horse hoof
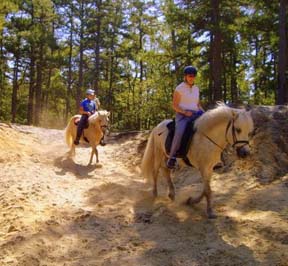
x=211 y=215
x=171 y=196
x=188 y=201
x=191 y=201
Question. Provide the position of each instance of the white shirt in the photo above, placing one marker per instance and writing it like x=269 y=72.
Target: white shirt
x=189 y=96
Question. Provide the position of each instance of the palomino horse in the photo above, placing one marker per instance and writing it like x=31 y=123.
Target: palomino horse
x=98 y=122
x=215 y=129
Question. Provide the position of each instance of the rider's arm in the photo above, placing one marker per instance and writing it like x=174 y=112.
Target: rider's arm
x=97 y=103
x=176 y=102
x=82 y=112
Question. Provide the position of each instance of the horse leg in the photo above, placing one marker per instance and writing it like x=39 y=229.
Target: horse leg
x=206 y=175
x=91 y=156
x=196 y=200
x=208 y=195
x=71 y=152
x=155 y=189
x=157 y=164
x=170 y=183
x=96 y=154
x=192 y=201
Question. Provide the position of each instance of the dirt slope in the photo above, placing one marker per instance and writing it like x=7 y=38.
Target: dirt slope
x=55 y=211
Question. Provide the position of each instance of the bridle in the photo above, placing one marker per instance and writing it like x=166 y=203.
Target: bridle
x=104 y=126
x=235 y=140
x=231 y=124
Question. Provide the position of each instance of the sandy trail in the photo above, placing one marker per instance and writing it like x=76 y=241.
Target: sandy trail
x=56 y=211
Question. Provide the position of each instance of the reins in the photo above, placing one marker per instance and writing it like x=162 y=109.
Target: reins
x=235 y=141
x=212 y=141
x=99 y=116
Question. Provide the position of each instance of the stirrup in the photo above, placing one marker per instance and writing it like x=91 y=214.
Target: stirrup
x=171 y=163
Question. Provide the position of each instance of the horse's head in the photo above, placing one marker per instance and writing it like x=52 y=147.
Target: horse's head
x=240 y=128
x=104 y=119
x=100 y=118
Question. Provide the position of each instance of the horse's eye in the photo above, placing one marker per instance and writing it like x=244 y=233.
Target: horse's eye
x=252 y=134
x=238 y=130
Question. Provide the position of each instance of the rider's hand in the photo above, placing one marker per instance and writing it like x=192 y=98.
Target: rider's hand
x=88 y=113
x=188 y=113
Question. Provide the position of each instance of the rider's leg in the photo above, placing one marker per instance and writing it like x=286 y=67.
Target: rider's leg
x=82 y=124
x=181 y=122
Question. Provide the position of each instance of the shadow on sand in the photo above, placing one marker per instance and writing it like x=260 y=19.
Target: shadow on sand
x=67 y=165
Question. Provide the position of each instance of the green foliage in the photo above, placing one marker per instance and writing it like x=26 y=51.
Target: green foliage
x=133 y=54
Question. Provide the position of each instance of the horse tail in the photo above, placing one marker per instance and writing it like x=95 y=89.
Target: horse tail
x=68 y=132
x=147 y=164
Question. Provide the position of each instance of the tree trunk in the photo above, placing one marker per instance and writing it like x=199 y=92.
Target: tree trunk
x=38 y=92
x=81 y=60
x=216 y=51
x=256 y=83
x=210 y=85
x=69 y=82
x=97 y=47
x=234 y=90
x=282 y=64
x=2 y=73
x=15 y=87
x=174 y=49
x=30 y=112
x=111 y=76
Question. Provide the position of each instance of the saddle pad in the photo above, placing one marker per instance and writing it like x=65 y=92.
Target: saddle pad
x=77 y=120
x=186 y=139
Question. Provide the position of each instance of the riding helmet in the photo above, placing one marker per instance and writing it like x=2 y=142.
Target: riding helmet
x=190 y=70
x=90 y=92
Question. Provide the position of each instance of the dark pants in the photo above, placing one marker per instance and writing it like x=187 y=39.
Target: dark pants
x=180 y=126
x=83 y=123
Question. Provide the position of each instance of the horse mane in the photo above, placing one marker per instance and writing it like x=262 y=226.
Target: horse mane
x=214 y=117
x=93 y=119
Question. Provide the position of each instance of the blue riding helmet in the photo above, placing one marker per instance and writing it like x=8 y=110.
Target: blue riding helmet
x=190 y=70
x=90 y=92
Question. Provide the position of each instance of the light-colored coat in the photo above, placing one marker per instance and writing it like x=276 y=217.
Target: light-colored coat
x=215 y=129
x=94 y=132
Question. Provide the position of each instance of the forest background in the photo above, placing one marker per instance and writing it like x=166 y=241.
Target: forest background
x=132 y=53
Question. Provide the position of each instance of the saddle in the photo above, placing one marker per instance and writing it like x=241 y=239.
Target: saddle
x=185 y=142
x=77 y=120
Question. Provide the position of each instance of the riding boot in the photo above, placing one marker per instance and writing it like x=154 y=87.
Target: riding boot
x=171 y=163
x=102 y=142
x=82 y=123
x=79 y=133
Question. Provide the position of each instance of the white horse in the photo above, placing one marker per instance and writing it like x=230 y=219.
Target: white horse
x=215 y=129
x=98 y=122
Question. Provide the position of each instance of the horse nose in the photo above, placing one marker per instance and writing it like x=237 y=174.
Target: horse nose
x=243 y=151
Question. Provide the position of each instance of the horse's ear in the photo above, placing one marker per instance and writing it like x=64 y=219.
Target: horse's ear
x=235 y=114
x=249 y=112
x=108 y=113
x=248 y=107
